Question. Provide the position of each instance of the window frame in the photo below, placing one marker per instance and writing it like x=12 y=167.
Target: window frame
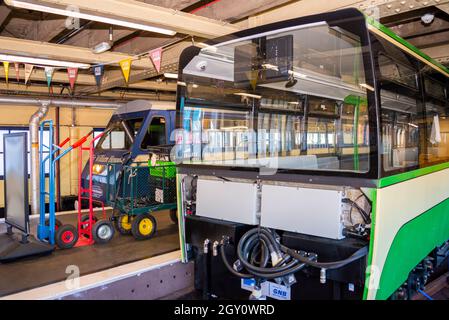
x=167 y=138
x=13 y=129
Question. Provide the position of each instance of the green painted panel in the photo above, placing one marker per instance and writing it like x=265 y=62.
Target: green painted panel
x=372 y=195
x=414 y=241
x=388 y=181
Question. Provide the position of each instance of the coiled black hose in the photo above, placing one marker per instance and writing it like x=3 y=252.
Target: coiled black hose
x=258 y=245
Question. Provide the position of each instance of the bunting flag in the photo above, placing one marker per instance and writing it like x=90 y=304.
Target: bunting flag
x=126 y=68
x=28 y=70
x=72 y=73
x=156 y=58
x=6 y=67
x=253 y=76
x=17 y=68
x=98 y=73
x=49 y=74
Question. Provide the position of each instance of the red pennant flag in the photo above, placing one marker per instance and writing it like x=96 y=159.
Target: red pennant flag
x=72 y=73
x=156 y=58
x=17 y=68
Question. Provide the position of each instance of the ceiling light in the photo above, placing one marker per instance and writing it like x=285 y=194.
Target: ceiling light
x=101 y=47
x=76 y=14
x=297 y=74
x=270 y=67
x=45 y=62
x=366 y=86
x=105 y=45
x=170 y=75
x=249 y=95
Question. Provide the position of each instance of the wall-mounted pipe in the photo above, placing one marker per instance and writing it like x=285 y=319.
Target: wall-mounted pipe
x=59 y=102
x=34 y=131
x=34 y=170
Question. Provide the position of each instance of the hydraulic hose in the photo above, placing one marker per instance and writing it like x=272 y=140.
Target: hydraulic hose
x=261 y=255
x=329 y=265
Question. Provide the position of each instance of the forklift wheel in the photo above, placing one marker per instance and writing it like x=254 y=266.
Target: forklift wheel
x=143 y=226
x=103 y=231
x=66 y=236
x=174 y=216
x=85 y=218
x=123 y=224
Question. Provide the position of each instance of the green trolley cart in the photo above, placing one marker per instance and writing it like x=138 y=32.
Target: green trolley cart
x=143 y=188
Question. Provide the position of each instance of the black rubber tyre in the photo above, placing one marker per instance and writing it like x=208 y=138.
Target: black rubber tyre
x=143 y=227
x=58 y=223
x=66 y=236
x=103 y=231
x=123 y=224
x=85 y=217
x=174 y=216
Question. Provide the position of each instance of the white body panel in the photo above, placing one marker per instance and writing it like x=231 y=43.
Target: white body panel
x=230 y=201
x=314 y=212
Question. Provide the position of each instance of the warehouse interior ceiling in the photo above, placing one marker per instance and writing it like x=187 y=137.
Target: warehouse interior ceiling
x=45 y=35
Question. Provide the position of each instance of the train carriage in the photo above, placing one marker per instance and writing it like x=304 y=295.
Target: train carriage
x=314 y=156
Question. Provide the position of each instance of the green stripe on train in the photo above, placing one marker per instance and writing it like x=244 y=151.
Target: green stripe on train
x=388 y=181
x=376 y=24
x=413 y=242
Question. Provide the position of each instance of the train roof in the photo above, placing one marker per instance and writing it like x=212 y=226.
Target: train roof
x=144 y=105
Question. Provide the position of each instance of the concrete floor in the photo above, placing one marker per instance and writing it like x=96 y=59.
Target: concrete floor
x=38 y=271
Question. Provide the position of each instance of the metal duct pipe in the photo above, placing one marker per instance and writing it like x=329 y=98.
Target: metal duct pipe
x=59 y=102
x=34 y=131
x=34 y=170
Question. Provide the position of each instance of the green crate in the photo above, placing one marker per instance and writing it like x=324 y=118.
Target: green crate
x=162 y=167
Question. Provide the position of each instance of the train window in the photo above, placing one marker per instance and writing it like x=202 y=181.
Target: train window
x=400 y=130
x=397 y=72
x=437 y=122
x=275 y=101
x=120 y=134
x=434 y=88
x=401 y=111
x=156 y=133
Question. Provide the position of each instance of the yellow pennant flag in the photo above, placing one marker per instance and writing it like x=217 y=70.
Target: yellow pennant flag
x=6 y=66
x=126 y=68
x=253 y=76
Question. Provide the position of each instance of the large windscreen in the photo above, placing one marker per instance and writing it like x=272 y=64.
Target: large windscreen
x=120 y=134
x=286 y=99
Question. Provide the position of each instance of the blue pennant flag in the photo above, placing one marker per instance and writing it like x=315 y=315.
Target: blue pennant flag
x=98 y=73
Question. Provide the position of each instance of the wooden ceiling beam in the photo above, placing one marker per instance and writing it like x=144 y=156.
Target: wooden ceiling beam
x=22 y=89
x=170 y=60
x=148 y=14
x=44 y=50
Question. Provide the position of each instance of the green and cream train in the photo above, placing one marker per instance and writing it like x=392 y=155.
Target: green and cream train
x=313 y=162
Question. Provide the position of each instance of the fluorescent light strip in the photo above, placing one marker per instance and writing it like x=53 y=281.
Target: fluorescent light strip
x=170 y=75
x=249 y=95
x=46 y=62
x=269 y=33
x=85 y=16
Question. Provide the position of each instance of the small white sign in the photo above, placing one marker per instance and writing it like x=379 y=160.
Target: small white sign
x=269 y=289
x=159 y=195
x=279 y=292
